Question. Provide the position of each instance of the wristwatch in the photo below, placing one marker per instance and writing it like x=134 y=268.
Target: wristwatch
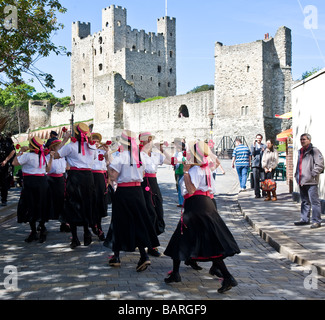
x=185 y=172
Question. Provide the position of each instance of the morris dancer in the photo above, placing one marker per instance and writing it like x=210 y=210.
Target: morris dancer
x=33 y=205
x=201 y=234
x=80 y=155
x=130 y=225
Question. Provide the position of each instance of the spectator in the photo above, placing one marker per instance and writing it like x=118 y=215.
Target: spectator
x=241 y=159
x=270 y=161
x=310 y=165
x=257 y=150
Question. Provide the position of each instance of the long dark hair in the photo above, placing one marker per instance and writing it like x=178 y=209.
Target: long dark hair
x=272 y=142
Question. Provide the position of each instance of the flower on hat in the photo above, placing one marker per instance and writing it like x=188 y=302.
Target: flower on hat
x=73 y=139
x=18 y=146
x=108 y=142
x=64 y=129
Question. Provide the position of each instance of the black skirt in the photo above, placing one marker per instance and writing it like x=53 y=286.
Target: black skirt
x=154 y=203
x=100 y=197
x=56 y=197
x=130 y=224
x=33 y=201
x=201 y=234
x=79 y=198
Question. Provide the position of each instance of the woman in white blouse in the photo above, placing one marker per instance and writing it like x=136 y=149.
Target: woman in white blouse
x=201 y=234
x=33 y=205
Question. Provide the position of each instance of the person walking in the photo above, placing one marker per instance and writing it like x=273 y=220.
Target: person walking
x=241 y=159
x=201 y=234
x=257 y=150
x=310 y=165
x=151 y=160
x=80 y=155
x=99 y=170
x=130 y=226
x=33 y=202
x=270 y=161
x=178 y=166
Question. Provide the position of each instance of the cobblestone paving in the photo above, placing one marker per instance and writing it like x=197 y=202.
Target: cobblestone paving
x=52 y=270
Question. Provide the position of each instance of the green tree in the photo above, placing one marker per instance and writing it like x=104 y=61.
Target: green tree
x=14 y=103
x=307 y=74
x=26 y=30
x=204 y=87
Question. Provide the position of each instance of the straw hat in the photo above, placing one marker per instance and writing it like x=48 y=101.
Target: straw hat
x=198 y=150
x=144 y=136
x=81 y=128
x=35 y=143
x=54 y=142
x=96 y=136
x=126 y=137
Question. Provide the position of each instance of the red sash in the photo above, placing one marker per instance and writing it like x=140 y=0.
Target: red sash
x=129 y=184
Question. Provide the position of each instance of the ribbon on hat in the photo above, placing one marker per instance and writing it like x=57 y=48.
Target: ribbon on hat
x=42 y=155
x=204 y=165
x=134 y=148
x=84 y=137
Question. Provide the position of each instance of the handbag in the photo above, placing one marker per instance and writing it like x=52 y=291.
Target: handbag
x=268 y=185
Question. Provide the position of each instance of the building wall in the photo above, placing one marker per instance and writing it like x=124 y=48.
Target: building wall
x=308 y=109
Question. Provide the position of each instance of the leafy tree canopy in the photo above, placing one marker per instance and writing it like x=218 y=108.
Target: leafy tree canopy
x=26 y=30
x=204 y=87
x=307 y=74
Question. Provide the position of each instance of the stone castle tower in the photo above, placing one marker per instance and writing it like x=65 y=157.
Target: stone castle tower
x=118 y=62
x=253 y=83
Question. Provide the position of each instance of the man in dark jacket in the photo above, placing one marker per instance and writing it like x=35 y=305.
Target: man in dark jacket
x=310 y=165
x=257 y=150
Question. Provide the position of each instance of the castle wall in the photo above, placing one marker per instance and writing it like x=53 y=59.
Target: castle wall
x=161 y=117
x=39 y=113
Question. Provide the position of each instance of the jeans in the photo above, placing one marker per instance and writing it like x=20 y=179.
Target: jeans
x=310 y=200
x=242 y=175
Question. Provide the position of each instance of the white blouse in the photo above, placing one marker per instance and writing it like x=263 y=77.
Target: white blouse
x=127 y=173
x=76 y=159
x=99 y=165
x=30 y=162
x=198 y=179
x=151 y=163
x=58 y=165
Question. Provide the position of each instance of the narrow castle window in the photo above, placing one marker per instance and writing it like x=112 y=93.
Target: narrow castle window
x=242 y=112
x=100 y=40
x=171 y=54
x=100 y=50
x=107 y=24
x=159 y=69
x=84 y=98
x=168 y=84
x=248 y=67
x=83 y=70
x=133 y=47
x=183 y=112
x=84 y=85
x=159 y=84
x=159 y=53
x=100 y=67
x=171 y=70
x=246 y=110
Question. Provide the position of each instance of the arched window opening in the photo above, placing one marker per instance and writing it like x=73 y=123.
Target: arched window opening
x=183 y=112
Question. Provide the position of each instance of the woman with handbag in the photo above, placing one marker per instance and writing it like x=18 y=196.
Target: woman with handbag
x=269 y=163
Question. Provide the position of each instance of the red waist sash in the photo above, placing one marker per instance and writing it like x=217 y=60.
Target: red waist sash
x=99 y=171
x=199 y=193
x=33 y=175
x=129 y=184
x=150 y=175
x=80 y=169
x=55 y=175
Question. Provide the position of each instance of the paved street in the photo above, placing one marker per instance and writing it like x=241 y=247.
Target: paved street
x=53 y=271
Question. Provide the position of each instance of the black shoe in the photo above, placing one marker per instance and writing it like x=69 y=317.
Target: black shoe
x=227 y=284
x=154 y=252
x=64 y=227
x=258 y=196
x=315 y=225
x=95 y=230
x=42 y=236
x=87 y=239
x=301 y=223
x=214 y=271
x=32 y=237
x=173 y=277
x=193 y=264
x=3 y=204
x=143 y=264
x=101 y=235
x=114 y=261
x=74 y=243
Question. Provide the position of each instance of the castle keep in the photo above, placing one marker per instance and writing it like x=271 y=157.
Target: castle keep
x=115 y=68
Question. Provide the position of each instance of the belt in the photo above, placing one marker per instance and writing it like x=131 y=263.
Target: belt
x=199 y=193
x=33 y=175
x=55 y=175
x=129 y=184
x=99 y=171
x=80 y=169
x=150 y=175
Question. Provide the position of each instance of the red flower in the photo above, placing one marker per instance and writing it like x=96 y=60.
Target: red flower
x=108 y=142
x=92 y=142
x=100 y=157
x=64 y=129
x=18 y=146
x=73 y=139
x=184 y=153
x=47 y=151
x=120 y=149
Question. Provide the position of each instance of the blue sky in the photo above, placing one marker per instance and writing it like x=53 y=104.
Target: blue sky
x=199 y=24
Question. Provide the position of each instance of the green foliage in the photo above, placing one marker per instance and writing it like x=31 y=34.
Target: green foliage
x=152 y=99
x=307 y=74
x=27 y=39
x=204 y=87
